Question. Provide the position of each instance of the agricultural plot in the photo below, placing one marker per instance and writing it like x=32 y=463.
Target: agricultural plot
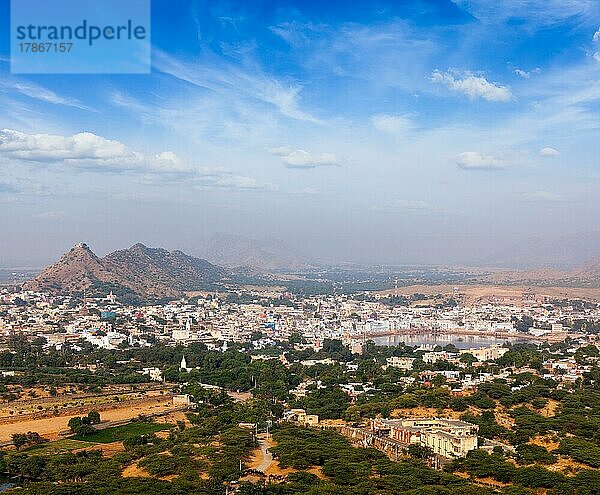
x=59 y=446
x=120 y=433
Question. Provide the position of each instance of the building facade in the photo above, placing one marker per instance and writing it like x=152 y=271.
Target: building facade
x=446 y=437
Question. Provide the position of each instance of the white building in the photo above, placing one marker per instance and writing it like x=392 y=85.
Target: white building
x=403 y=363
x=154 y=373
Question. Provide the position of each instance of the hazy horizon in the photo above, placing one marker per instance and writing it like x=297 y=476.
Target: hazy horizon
x=481 y=253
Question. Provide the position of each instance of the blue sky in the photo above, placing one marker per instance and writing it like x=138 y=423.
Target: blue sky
x=427 y=131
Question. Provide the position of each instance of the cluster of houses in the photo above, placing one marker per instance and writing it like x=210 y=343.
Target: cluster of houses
x=267 y=329
x=261 y=320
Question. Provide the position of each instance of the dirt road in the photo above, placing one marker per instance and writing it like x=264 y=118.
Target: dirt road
x=263 y=459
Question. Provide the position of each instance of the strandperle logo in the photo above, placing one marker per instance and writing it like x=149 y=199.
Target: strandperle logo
x=85 y=32
x=80 y=36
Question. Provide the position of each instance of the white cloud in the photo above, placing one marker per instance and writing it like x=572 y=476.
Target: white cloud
x=549 y=152
x=88 y=151
x=472 y=160
x=239 y=182
x=235 y=83
x=541 y=197
x=305 y=191
x=141 y=110
x=526 y=74
x=522 y=73
x=535 y=13
x=303 y=159
x=474 y=86
x=39 y=93
x=596 y=56
x=392 y=124
x=596 y=36
x=211 y=178
x=280 y=150
x=50 y=147
x=85 y=150
x=50 y=215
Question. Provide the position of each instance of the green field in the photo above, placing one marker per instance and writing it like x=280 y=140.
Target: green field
x=120 y=433
x=64 y=445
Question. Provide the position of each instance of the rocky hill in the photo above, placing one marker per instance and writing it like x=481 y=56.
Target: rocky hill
x=77 y=269
x=139 y=272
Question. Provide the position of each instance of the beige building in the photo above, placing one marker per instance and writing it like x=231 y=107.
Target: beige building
x=486 y=353
x=446 y=437
x=403 y=363
x=182 y=400
x=301 y=418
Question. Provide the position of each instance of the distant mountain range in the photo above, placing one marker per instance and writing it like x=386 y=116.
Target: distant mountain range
x=562 y=253
x=586 y=275
x=266 y=254
x=139 y=272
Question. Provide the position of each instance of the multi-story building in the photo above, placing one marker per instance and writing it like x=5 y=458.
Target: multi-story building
x=446 y=437
x=486 y=353
x=403 y=363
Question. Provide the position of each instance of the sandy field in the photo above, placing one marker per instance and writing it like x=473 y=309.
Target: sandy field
x=473 y=293
x=550 y=409
x=50 y=427
x=135 y=471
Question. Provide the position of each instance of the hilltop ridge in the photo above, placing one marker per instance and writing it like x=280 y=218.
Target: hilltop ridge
x=139 y=271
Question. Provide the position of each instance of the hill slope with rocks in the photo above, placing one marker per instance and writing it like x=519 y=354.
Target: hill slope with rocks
x=138 y=272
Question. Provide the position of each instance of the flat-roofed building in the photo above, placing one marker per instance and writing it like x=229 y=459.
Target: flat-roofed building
x=403 y=363
x=486 y=353
x=446 y=437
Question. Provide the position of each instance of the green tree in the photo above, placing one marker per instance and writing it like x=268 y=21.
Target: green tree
x=19 y=440
x=93 y=417
x=418 y=451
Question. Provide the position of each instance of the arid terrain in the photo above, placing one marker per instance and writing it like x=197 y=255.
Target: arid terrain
x=22 y=416
x=477 y=293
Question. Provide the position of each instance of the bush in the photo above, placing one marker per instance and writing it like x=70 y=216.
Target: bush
x=581 y=450
x=529 y=454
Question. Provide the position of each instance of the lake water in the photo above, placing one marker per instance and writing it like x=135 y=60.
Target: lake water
x=460 y=341
x=7 y=483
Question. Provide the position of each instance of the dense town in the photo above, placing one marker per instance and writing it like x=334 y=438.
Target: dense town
x=220 y=318
x=436 y=379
